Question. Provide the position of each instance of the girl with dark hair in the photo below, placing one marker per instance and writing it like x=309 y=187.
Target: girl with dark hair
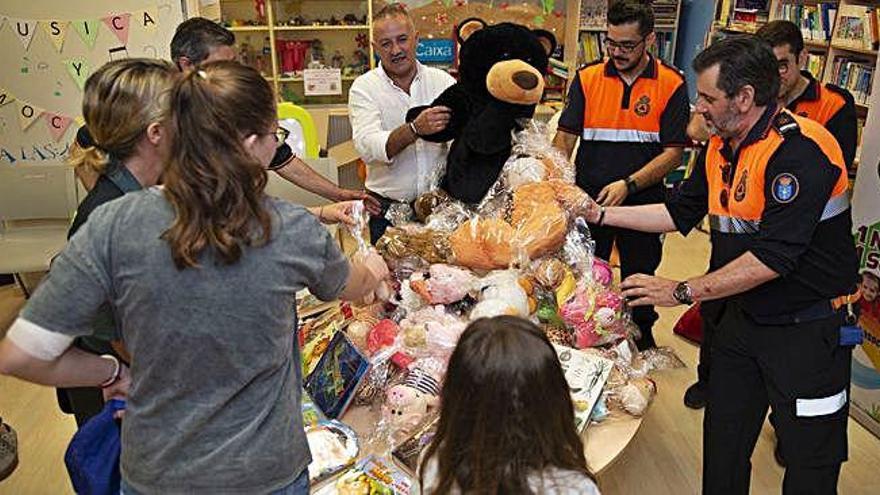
x=202 y=286
x=506 y=418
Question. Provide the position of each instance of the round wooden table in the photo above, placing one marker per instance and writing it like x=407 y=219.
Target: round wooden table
x=603 y=442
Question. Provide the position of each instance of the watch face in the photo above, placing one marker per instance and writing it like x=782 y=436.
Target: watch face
x=682 y=293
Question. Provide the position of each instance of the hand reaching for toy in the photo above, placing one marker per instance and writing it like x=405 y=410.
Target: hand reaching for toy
x=432 y=120
x=378 y=271
x=372 y=204
x=335 y=213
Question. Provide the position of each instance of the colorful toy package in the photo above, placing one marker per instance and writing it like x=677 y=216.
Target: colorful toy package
x=371 y=476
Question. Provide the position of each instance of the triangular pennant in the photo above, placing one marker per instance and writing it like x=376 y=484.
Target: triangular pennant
x=78 y=68
x=56 y=31
x=57 y=124
x=27 y=114
x=149 y=19
x=5 y=96
x=24 y=29
x=88 y=31
x=118 y=24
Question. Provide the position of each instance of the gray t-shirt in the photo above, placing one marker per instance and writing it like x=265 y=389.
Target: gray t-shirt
x=214 y=405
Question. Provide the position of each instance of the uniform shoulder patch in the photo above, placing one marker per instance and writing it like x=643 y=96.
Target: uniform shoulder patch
x=785 y=124
x=785 y=188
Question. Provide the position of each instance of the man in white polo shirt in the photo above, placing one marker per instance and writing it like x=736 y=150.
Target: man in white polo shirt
x=399 y=164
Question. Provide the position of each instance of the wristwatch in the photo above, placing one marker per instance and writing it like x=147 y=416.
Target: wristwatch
x=631 y=186
x=683 y=293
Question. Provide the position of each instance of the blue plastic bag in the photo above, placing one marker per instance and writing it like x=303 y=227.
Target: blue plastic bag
x=92 y=458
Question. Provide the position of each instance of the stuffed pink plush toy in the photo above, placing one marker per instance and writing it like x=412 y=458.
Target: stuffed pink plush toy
x=407 y=405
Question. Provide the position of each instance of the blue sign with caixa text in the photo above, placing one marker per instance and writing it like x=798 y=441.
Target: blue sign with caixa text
x=435 y=51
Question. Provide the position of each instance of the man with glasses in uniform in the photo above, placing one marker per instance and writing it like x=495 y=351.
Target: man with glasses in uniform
x=631 y=112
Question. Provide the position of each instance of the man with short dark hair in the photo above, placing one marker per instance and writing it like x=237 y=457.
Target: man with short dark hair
x=827 y=104
x=774 y=186
x=631 y=113
x=198 y=40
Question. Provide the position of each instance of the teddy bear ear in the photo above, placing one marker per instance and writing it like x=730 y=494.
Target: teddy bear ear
x=547 y=39
x=468 y=27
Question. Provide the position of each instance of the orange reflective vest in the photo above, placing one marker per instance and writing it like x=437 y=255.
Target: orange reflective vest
x=617 y=113
x=745 y=192
x=826 y=103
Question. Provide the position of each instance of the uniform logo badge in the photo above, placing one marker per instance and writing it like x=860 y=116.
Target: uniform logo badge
x=785 y=188
x=643 y=106
x=740 y=193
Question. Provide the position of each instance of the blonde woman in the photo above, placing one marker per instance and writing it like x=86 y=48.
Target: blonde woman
x=202 y=284
x=125 y=104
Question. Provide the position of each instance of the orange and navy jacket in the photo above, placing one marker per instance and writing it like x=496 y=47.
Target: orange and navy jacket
x=834 y=108
x=623 y=127
x=782 y=196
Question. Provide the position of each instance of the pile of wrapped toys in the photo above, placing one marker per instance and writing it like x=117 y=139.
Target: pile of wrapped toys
x=524 y=251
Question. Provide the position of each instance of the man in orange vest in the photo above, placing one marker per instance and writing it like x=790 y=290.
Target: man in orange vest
x=803 y=95
x=631 y=112
x=783 y=260
x=827 y=104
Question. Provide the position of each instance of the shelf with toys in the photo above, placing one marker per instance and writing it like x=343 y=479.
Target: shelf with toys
x=283 y=38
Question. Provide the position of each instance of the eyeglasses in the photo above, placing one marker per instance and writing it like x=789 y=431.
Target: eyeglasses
x=624 y=47
x=727 y=179
x=281 y=135
x=783 y=67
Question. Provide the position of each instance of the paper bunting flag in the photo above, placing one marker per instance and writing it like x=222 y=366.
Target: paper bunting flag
x=88 y=31
x=149 y=17
x=27 y=114
x=118 y=24
x=5 y=97
x=24 y=29
x=78 y=68
x=56 y=31
x=57 y=124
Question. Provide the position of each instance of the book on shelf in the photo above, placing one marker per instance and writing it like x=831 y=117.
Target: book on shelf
x=592 y=47
x=663 y=47
x=855 y=75
x=743 y=15
x=815 y=63
x=815 y=21
x=858 y=27
x=594 y=14
x=665 y=13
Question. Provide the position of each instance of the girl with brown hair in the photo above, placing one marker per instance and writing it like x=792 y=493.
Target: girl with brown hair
x=506 y=418
x=202 y=285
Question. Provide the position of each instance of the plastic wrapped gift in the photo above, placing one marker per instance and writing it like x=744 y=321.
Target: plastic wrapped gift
x=334 y=447
x=413 y=240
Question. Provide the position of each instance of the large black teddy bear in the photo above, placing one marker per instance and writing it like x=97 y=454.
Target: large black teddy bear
x=501 y=70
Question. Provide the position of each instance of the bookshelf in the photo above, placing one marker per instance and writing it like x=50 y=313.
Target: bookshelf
x=589 y=36
x=841 y=37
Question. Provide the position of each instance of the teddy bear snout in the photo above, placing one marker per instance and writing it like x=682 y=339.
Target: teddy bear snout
x=525 y=80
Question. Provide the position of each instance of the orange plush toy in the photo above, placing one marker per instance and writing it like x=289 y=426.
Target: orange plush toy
x=538 y=224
